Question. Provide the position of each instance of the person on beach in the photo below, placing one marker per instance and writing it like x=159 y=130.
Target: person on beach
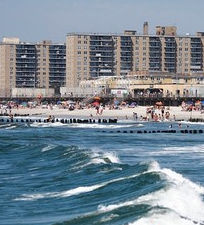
x=49 y=119
x=135 y=117
x=101 y=110
x=97 y=110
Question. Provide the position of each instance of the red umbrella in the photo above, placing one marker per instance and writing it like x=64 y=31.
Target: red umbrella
x=95 y=103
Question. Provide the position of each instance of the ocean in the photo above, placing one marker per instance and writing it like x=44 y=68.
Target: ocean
x=84 y=174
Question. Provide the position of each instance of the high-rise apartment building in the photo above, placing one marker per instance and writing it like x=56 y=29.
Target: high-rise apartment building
x=26 y=65
x=47 y=66
x=97 y=55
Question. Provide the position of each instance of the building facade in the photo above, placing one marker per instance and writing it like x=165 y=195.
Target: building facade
x=85 y=56
x=36 y=66
x=96 y=55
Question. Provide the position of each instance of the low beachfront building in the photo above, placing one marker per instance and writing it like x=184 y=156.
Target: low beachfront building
x=32 y=92
x=146 y=85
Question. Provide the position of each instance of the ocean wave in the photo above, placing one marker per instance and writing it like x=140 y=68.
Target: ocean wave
x=170 y=218
x=75 y=191
x=104 y=157
x=184 y=149
x=193 y=123
x=48 y=148
x=89 y=125
x=99 y=126
x=45 y=125
x=11 y=127
x=95 y=157
x=5 y=125
x=180 y=196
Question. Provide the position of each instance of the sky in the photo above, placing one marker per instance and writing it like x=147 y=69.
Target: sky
x=36 y=20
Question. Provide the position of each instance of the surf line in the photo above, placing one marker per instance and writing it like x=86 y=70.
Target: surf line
x=58 y=120
x=154 y=131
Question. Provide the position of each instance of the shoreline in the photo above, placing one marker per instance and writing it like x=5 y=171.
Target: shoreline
x=176 y=113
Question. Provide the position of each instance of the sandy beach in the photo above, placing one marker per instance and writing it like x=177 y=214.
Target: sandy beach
x=124 y=113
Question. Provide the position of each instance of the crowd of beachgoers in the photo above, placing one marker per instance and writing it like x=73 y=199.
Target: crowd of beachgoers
x=96 y=108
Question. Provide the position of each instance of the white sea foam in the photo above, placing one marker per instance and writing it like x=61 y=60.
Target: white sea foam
x=170 y=218
x=71 y=192
x=44 y=125
x=5 y=125
x=98 y=157
x=104 y=157
x=11 y=127
x=108 y=218
x=184 y=149
x=193 y=123
x=181 y=197
x=63 y=194
x=48 y=148
x=99 y=126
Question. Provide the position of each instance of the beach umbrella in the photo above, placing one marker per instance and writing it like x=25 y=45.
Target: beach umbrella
x=97 y=98
x=95 y=103
x=159 y=103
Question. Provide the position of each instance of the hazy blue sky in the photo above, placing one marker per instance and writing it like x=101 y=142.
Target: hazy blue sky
x=34 y=20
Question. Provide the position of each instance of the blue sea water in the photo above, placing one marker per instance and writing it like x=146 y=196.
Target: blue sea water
x=76 y=174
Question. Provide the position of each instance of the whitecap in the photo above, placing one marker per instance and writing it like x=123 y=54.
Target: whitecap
x=48 y=148
x=170 y=218
x=185 y=149
x=11 y=127
x=71 y=192
x=104 y=157
x=44 y=125
x=193 y=123
x=99 y=126
x=180 y=196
